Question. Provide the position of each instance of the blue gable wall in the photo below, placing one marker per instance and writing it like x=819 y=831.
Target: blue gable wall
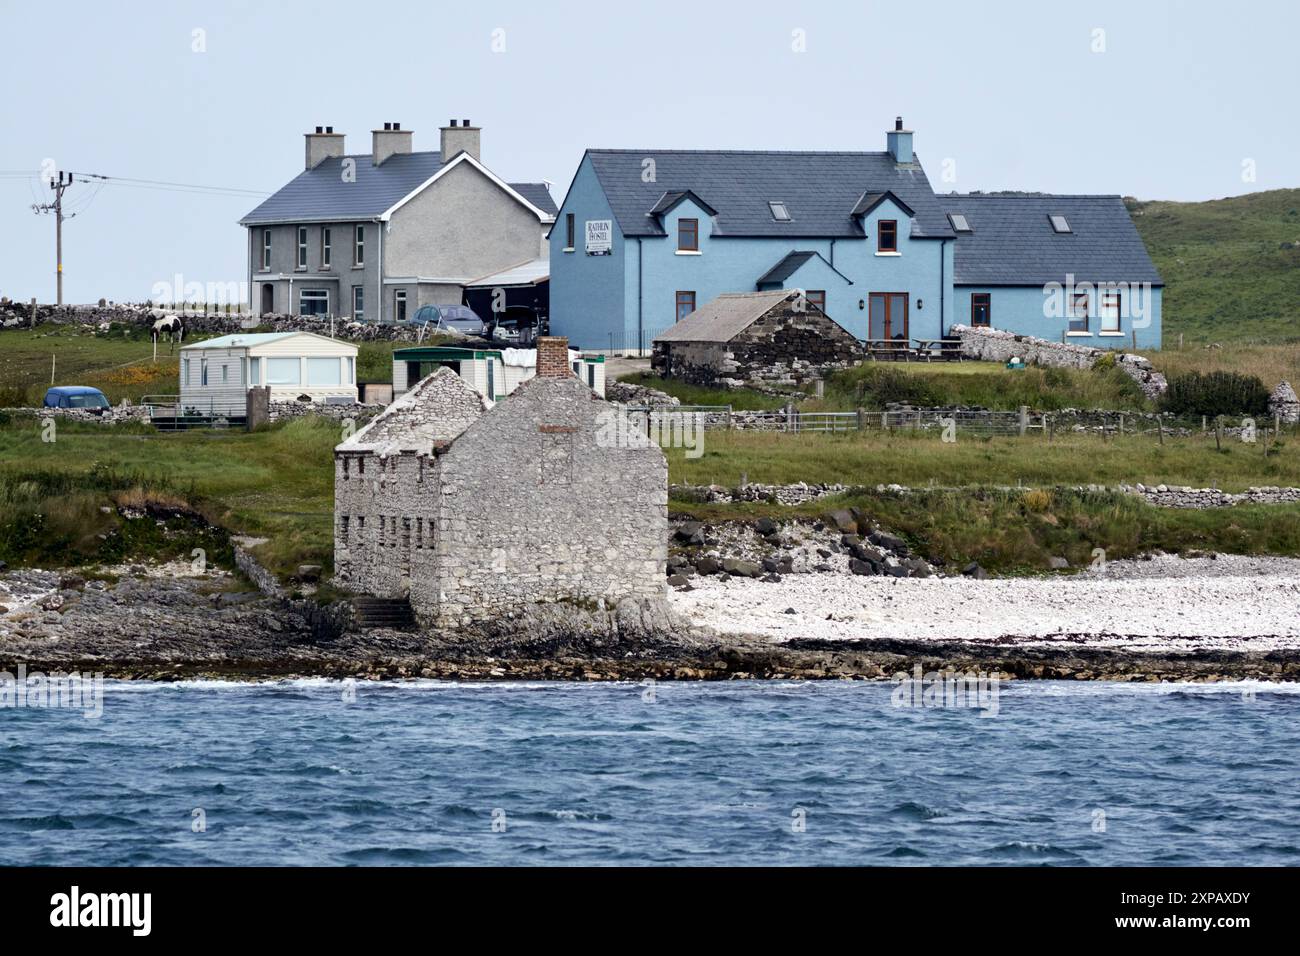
x=587 y=292
x=1025 y=311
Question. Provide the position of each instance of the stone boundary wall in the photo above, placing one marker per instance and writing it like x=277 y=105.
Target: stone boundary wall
x=114 y=416
x=1164 y=496
x=283 y=411
x=18 y=315
x=264 y=580
x=995 y=345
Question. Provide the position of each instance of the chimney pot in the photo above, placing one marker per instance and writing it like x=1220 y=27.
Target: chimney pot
x=453 y=122
x=898 y=122
x=553 y=357
x=388 y=126
x=329 y=129
x=397 y=126
x=320 y=129
x=321 y=145
x=464 y=122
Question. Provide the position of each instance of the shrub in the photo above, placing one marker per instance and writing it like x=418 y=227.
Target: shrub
x=878 y=385
x=1216 y=393
x=1104 y=361
x=1037 y=500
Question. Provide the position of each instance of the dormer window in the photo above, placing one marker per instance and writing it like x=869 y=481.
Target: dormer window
x=959 y=222
x=688 y=235
x=1060 y=225
x=887 y=235
x=779 y=211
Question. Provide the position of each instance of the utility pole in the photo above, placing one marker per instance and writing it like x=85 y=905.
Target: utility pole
x=59 y=185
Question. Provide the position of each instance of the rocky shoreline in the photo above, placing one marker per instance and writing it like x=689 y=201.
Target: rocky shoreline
x=168 y=628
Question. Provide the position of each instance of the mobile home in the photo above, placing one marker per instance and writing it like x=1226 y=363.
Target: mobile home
x=493 y=373
x=216 y=374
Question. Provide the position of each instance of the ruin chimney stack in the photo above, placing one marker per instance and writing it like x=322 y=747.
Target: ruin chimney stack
x=553 y=357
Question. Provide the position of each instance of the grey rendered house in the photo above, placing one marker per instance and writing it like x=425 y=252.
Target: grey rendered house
x=376 y=236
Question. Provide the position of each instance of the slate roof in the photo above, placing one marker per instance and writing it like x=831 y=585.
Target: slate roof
x=320 y=194
x=1012 y=241
x=787 y=267
x=725 y=317
x=820 y=189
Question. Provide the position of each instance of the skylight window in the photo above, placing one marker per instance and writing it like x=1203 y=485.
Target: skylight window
x=959 y=222
x=1060 y=224
x=779 y=211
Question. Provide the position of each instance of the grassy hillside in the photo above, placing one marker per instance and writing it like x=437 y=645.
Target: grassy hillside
x=1231 y=266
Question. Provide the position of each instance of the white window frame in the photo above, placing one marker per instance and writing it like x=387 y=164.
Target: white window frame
x=399 y=298
x=254 y=370
x=358 y=302
x=316 y=295
x=326 y=247
x=1105 y=314
x=359 y=244
x=779 y=210
x=352 y=371
x=302 y=247
x=266 y=250
x=286 y=359
x=203 y=370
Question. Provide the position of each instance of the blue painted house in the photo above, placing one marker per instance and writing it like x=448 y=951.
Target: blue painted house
x=644 y=237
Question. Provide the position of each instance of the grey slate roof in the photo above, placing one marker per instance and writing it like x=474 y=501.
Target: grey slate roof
x=819 y=188
x=725 y=317
x=321 y=195
x=784 y=269
x=1013 y=243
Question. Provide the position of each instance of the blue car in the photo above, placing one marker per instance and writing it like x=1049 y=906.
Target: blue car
x=76 y=396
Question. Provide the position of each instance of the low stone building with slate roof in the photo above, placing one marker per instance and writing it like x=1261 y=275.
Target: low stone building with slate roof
x=754 y=338
x=471 y=510
x=645 y=237
x=375 y=236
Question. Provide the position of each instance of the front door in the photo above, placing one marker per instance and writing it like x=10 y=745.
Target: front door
x=888 y=316
x=268 y=298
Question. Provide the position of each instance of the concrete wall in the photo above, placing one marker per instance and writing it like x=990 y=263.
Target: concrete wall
x=587 y=292
x=338 y=280
x=462 y=227
x=1024 y=311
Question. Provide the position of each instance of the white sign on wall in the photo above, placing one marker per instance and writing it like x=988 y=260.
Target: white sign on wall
x=599 y=237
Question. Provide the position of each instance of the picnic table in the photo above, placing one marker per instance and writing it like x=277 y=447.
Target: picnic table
x=894 y=349
x=944 y=349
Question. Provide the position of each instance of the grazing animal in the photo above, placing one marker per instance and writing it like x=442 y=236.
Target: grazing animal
x=171 y=327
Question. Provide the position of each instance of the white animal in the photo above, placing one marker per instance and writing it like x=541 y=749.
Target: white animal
x=171 y=327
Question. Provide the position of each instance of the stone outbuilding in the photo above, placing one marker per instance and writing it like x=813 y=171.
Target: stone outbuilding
x=472 y=509
x=779 y=337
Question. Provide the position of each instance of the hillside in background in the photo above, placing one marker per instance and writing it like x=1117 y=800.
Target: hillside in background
x=1231 y=266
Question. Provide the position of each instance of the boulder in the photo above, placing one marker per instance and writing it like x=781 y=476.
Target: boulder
x=308 y=573
x=843 y=520
x=973 y=570
x=690 y=532
x=1057 y=563
x=765 y=526
x=740 y=568
x=889 y=542
x=862 y=567
x=707 y=565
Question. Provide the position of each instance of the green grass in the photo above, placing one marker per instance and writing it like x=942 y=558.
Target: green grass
x=870 y=458
x=1228 y=276
x=989 y=385
x=741 y=399
x=1017 y=532
x=276 y=483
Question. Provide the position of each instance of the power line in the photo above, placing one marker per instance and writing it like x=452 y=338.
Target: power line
x=164 y=184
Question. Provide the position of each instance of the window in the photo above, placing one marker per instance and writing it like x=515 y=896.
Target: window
x=343 y=528
x=568 y=232
x=313 y=302
x=358 y=302
x=185 y=371
x=203 y=370
x=981 y=309
x=323 y=371
x=254 y=371
x=283 y=371
x=359 y=245
x=352 y=371
x=688 y=235
x=326 y=247
x=816 y=297
x=591 y=375
x=266 y=250
x=225 y=373
x=1060 y=224
x=399 y=305
x=959 y=222
x=779 y=211
x=1110 y=312
x=685 y=304
x=887 y=235
x=1078 y=314
x=492 y=381
x=302 y=247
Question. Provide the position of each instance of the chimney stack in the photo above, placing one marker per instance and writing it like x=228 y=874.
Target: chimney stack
x=322 y=145
x=390 y=140
x=553 y=357
x=899 y=142
x=460 y=139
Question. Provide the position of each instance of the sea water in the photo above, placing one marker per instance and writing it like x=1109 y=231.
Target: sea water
x=742 y=772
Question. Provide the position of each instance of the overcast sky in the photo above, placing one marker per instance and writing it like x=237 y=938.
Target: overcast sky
x=1159 y=99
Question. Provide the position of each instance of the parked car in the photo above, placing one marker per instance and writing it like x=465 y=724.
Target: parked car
x=76 y=396
x=457 y=318
x=517 y=325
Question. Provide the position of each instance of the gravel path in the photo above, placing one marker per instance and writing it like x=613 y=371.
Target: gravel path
x=1166 y=603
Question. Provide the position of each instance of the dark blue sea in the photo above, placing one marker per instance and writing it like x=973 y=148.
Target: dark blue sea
x=727 y=773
